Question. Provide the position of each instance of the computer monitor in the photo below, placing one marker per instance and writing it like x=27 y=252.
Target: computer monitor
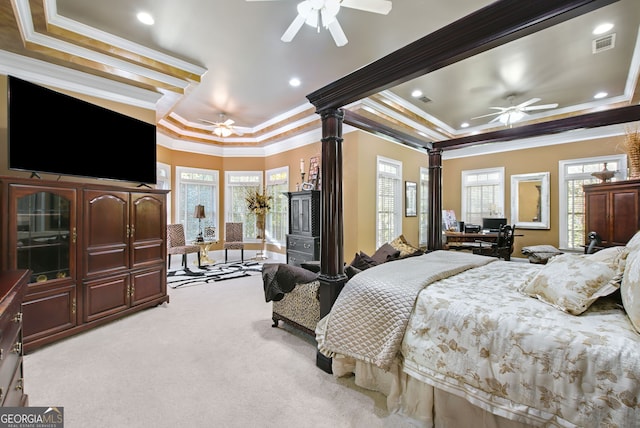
x=493 y=224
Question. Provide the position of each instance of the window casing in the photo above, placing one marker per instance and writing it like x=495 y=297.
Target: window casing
x=482 y=194
x=238 y=185
x=573 y=175
x=197 y=186
x=276 y=223
x=389 y=198
x=423 y=207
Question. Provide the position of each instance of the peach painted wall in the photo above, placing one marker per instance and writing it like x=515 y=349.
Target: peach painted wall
x=525 y=161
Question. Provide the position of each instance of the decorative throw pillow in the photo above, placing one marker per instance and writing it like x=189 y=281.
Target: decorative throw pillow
x=634 y=242
x=615 y=257
x=385 y=253
x=571 y=283
x=401 y=244
x=362 y=261
x=630 y=288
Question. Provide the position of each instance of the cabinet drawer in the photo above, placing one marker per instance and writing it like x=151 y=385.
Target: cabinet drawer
x=13 y=396
x=296 y=258
x=11 y=357
x=303 y=243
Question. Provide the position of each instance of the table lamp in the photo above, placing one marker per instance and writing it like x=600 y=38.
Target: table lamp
x=199 y=214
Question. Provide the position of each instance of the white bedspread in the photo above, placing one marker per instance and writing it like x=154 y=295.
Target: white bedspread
x=475 y=335
x=369 y=318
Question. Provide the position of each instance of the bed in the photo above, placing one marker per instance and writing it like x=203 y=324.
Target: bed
x=455 y=339
x=413 y=384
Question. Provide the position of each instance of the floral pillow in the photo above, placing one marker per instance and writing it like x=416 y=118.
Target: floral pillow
x=571 y=283
x=634 y=242
x=615 y=257
x=401 y=244
x=630 y=288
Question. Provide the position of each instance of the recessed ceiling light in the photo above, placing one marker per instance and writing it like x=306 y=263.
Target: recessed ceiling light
x=416 y=93
x=145 y=18
x=464 y=125
x=294 y=82
x=602 y=28
x=600 y=95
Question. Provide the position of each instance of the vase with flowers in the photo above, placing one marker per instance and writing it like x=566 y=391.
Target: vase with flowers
x=259 y=205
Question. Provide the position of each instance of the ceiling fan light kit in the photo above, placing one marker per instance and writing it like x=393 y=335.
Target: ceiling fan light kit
x=223 y=128
x=324 y=12
x=515 y=113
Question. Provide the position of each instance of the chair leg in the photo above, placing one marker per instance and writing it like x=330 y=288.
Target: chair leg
x=225 y=254
x=184 y=260
x=199 y=262
x=168 y=261
x=242 y=255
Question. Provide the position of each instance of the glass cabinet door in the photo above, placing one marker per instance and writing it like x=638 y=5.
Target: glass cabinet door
x=45 y=234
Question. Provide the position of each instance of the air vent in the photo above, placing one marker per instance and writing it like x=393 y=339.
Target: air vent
x=604 y=43
x=425 y=99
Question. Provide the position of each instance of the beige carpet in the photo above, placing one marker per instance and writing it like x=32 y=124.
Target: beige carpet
x=209 y=358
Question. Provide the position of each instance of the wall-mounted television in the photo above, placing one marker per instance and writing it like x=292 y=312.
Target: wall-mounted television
x=51 y=132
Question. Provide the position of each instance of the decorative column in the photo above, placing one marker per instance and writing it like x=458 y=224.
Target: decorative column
x=435 y=200
x=332 y=277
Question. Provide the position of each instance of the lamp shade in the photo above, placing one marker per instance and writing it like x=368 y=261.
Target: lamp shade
x=199 y=211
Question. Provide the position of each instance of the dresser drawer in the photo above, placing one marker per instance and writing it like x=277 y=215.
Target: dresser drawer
x=13 y=396
x=296 y=258
x=304 y=244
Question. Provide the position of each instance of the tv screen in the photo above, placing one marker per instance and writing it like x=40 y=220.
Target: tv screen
x=50 y=132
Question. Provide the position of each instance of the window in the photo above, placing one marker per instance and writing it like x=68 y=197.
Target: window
x=388 y=201
x=163 y=177
x=423 y=207
x=482 y=194
x=197 y=186
x=239 y=184
x=277 y=219
x=573 y=175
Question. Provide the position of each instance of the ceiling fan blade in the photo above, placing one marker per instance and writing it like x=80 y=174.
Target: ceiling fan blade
x=376 y=6
x=526 y=103
x=209 y=122
x=293 y=29
x=495 y=119
x=487 y=115
x=540 y=107
x=228 y=122
x=336 y=31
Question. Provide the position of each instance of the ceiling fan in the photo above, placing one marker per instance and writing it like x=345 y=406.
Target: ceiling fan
x=223 y=128
x=514 y=113
x=324 y=12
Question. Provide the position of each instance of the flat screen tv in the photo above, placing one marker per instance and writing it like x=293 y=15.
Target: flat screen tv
x=50 y=132
x=493 y=223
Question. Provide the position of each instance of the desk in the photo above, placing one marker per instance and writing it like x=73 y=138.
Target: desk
x=204 y=251
x=467 y=240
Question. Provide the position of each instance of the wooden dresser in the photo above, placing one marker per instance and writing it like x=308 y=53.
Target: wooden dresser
x=303 y=240
x=612 y=210
x=13 y=287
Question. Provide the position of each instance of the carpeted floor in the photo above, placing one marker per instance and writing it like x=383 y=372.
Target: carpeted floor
x=207 y=274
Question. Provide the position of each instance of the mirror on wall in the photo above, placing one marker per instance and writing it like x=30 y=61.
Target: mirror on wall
x=530 y=200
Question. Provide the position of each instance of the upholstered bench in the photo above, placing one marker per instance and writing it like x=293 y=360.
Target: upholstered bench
x=294 y=293
x=299 y=308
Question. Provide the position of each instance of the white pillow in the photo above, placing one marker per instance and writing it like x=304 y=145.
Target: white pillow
x=630 y=288
x=634 y=242
x=615 y=257
x=571 y=283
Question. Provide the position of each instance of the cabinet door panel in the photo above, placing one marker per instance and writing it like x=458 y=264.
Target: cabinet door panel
x=48 y=312
x=106 y=219
x=148 y=284
x=624 y=210
x=105 y=296
x=597 y=213
x=43 y=231
x=148 y=229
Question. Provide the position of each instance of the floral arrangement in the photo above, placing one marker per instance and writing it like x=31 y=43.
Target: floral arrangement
x=258 y=203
